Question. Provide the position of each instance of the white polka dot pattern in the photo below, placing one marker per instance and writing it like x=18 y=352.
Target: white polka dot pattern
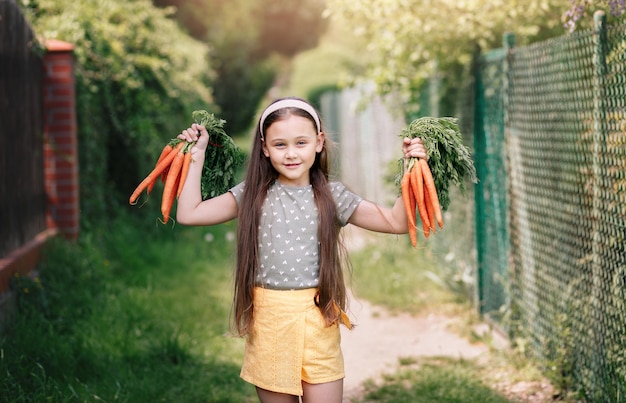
x=288 y=244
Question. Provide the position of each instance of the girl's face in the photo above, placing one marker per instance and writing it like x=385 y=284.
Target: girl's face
x=291 y=144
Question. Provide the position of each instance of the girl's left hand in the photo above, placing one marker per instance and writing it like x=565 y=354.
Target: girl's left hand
x=197 y=133
x=413 y=148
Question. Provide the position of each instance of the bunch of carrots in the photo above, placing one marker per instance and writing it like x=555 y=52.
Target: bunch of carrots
x=420 y=198
x=425 y=184
x=222 y=160
x=172 y=168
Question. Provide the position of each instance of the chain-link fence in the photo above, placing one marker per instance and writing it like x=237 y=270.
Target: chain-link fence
x=549 y=124
x=543 y=247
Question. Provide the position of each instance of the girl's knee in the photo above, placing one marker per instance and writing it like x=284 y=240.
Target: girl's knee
x=267 y=396
x=328 y=392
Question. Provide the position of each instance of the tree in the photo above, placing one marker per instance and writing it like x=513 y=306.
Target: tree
x=246 y=37
x=138 y=79
x=289 y=27
x=411 y=39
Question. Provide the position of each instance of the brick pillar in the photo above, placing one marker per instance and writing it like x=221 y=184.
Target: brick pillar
x=60 y=139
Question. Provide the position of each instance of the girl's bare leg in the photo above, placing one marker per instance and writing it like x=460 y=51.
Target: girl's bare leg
x=329 y=392
x=266 y=396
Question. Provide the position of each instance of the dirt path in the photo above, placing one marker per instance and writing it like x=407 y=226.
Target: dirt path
x=375 y=346
x=379 y=340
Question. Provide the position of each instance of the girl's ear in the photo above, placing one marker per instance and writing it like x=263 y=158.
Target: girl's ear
x=264 y=147
x=321 y=137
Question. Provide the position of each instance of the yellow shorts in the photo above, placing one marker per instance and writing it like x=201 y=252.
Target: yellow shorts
x=290 y=343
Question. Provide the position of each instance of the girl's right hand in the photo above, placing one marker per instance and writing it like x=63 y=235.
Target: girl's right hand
x=197 y=133
x=413 y=148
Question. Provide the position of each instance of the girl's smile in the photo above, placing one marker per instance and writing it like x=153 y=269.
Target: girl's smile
x=292 y=145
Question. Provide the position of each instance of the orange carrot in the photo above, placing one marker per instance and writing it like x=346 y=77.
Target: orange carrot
x=430 y=210
x=171 y=183
x=166 y=205
x=413 y=202
x=184 y=172
x=409 y=203
x=429 y=183
x=166 y=150
x=417 y=182
x=154 y=174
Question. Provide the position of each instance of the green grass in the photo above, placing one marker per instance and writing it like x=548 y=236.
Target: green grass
x=136 y=311
x=441 y=380
x=399 y=277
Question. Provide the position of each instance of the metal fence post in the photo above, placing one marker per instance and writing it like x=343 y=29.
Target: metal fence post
x=504 y=235
x=508 y=41
x=598 y=361
x=479 y=157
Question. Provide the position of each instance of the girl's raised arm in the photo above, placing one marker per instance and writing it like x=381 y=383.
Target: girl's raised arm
x=393 y=220
x=373 y=217
x=191 y=209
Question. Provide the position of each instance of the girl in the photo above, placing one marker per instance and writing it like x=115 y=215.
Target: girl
x=290 y=294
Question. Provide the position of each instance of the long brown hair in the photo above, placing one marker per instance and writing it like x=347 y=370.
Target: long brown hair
x=259 y=177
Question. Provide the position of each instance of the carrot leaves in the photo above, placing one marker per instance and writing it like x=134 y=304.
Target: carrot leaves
x=449 y=159
x=222 y=159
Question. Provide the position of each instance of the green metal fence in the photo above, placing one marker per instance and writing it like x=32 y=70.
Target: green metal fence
x=492 y=240
x=549 y=128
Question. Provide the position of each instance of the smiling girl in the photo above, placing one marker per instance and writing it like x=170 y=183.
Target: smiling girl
x=290 y=295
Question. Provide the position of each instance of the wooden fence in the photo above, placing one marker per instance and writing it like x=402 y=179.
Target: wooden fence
x=22 y=189
x=368 y=139
x=38 y=150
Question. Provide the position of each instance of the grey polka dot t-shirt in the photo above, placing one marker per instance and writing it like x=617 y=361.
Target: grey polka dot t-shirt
x=288 y=244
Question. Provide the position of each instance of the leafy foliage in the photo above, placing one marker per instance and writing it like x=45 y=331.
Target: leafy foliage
x=241 y=85
x=410 y=41
x=329 y=66
x=250 y=39
x=288 y=27
x=138 y=78
x=578 y=13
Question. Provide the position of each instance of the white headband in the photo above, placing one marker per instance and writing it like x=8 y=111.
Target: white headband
x=289 y=103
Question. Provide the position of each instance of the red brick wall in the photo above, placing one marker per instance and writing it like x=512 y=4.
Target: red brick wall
x=60 y=161
x=60 y=139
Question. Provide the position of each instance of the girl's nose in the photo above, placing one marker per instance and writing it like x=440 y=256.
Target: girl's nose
x=291 y=152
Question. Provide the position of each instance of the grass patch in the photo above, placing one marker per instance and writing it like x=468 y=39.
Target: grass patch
x=400 y=278
x=442 y=380
x=133 y=312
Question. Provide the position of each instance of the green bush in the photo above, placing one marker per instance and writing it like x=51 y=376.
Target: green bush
x=139 y=77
